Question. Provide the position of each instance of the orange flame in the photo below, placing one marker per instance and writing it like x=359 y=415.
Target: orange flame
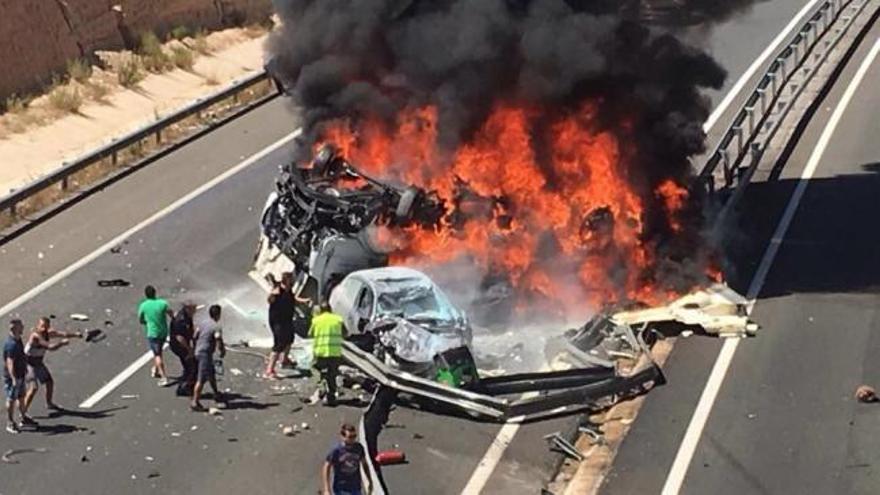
x=569 y=215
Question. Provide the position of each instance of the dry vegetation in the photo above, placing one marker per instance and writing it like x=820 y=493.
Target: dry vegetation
x=82 y=83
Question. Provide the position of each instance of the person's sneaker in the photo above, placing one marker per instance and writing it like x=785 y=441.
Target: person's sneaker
x=163 y=382
x=28 y=421
x=197 y=408
x=12 y=428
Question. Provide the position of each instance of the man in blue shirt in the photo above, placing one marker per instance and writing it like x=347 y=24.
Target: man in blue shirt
x=345 y=460
x=14 y=372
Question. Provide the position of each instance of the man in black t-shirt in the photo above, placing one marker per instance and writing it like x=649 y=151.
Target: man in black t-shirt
x=14 y=373
x=181 y=343
x=282 y=310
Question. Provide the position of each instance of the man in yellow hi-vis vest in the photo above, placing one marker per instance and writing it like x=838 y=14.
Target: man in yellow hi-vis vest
x=327 y=330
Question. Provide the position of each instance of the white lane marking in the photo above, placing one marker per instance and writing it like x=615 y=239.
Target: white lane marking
x=716 y=378
x=117 y=380
x=491 y=459
x=747 y=75
x=49 y=282
x=505 y=435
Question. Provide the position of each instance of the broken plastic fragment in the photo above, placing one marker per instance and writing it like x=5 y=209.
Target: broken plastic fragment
x=79 y=317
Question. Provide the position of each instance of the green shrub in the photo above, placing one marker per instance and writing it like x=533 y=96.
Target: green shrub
x=130 y=73
x=179 y=33
x=182 y=57
x=154 y=58
x=66 y=98
x=14 y=104
x=79 y=70
x=200 y=43
x=97 y=91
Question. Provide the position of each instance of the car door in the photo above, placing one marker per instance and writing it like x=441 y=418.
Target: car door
x=363 y=311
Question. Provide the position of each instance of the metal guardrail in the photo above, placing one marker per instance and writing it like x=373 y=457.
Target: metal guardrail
x=112 y=150
x=739 y=140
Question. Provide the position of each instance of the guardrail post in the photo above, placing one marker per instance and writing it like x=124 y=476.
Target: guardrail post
x=750 y=111
x=114 y=158
x=725 y=165
x=763 y=94
x=158 y=136
x=772 y=76
x=12 y=210
x=64 y=183
x=739 y=139
x=782 y=62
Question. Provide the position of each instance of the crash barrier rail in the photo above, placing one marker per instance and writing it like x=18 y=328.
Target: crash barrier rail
x=61 y=177
x=747 y=136
x=372 y=421
x=582 y=388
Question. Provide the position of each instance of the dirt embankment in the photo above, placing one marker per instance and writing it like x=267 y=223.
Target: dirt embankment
x=40 y=37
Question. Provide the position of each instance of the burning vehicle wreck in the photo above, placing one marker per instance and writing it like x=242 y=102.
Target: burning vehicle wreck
x=405 y=334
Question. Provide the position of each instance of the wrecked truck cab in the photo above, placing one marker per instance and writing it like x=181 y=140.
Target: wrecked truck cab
x=409 y=318
x=717 y=311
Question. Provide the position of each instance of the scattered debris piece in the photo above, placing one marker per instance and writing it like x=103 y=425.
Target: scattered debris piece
x=596 y=436
x=751 y=415
x=175 y=433
x=866 y=393
x=154 y=474
x=108 y=323
x=149 y=458
x=194 y=427
x=116 y=249
x=304 y=426
x=84 y=458
x=418 y=436
x=115 y=282
x=236 y=371
x=296 y=409
x=389 y=457
x=289 y=431
x=93 y=335
x=232 y=440
x=8 y=457
x=130 y=396
x=391 y=426
x=214 y=411
x=562 y=445
x=79 y=317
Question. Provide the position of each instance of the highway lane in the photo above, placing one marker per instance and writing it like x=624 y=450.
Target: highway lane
x=207 y=245
x=785 y=420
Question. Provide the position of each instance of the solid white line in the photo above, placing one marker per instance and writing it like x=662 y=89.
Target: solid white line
x=505 y=435
x=491 y=459
x=747 y=75
x=117 y=380
x=49 y=282
x=716 y=378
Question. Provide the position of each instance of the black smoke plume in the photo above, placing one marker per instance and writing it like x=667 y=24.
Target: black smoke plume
x=355 y=58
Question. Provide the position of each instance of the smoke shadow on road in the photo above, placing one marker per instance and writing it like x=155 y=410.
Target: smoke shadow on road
x=830 y=246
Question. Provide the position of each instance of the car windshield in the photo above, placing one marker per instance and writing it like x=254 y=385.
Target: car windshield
x=413 y=299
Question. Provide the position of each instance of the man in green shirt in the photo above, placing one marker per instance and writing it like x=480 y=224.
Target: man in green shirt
x=327 y=330
x=153 y=314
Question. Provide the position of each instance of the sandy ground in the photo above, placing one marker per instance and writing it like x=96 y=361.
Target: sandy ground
x=41 y=149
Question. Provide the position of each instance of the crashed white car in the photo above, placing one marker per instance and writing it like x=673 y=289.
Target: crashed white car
x=410 y=318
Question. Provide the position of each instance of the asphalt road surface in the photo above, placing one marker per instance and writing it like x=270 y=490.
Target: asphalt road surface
x=785 y=419
x=139 y=438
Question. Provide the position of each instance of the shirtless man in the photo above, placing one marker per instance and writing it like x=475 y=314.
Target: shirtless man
x=35 y=349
